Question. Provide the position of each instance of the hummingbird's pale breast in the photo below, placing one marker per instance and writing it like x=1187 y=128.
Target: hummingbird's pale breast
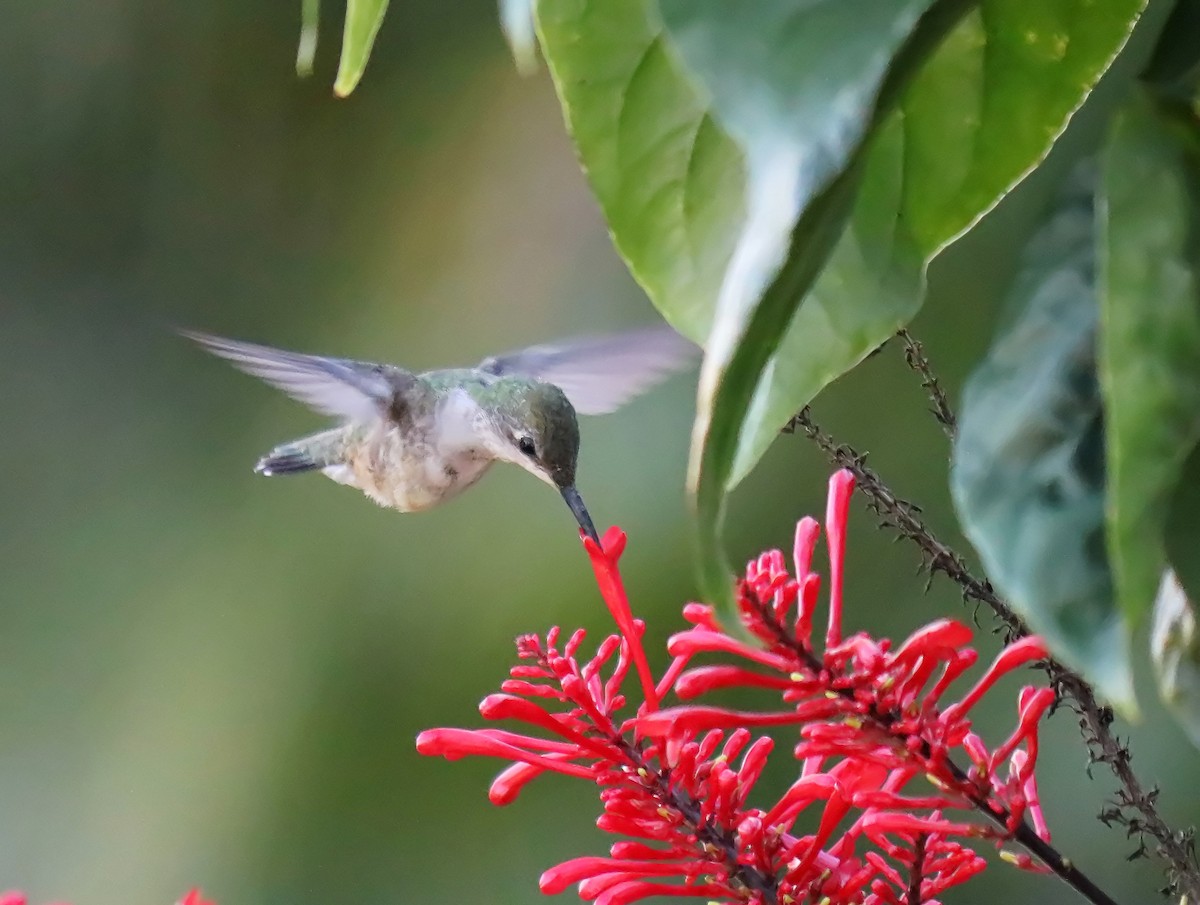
x=432 y=458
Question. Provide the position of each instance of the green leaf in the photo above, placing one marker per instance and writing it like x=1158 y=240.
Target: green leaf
x=1027 y=474
x=1175 y=650
x=1150 y=336
x=306 y=50
x=982 y=113
x=671 y=182
x=516 y=21
x=363 y=18
x=798 y=86
x=873 y=284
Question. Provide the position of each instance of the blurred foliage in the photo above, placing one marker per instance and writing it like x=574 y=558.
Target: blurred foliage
x=1028 y=468
x=1150 y=355
x=208 y=678
x=1175 y=649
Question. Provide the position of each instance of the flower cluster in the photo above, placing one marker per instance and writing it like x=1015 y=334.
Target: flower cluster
x=892 y=781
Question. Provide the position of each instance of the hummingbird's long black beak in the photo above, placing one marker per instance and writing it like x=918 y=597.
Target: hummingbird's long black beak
x=575 y=501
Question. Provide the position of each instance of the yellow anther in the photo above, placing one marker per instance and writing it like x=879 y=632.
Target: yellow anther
x=797 y=677
x=1010 y=857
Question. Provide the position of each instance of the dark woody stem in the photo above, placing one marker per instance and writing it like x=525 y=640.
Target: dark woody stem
x=885 y=721
x=905 y=518
x=658 y=783
x=712 y=839
x=917 y=873
x=914 y=355
x=1095 y=719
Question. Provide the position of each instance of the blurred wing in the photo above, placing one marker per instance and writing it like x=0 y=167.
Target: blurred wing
x=333 y=386
x=601 y=373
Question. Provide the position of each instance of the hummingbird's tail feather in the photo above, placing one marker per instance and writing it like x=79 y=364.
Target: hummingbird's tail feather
x=295 y=462
x=313 y=453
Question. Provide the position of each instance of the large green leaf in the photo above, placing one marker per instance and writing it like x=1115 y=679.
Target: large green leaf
x=798 y=86
x=669 y=180
x=1150 y=336
x=983 y=112
x=1028 y=467
x=673 y=184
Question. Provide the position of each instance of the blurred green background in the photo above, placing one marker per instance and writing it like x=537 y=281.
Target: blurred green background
x=208 y=678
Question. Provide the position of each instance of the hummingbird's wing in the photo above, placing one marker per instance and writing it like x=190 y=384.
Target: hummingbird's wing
x=601 y=373
x=353 y=390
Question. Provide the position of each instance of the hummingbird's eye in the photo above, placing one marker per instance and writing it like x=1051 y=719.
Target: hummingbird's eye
x=525 y=444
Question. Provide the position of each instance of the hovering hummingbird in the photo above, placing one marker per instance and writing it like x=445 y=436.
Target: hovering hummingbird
x=411 y=441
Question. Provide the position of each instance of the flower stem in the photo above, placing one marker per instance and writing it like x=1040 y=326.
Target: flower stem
x=689 y=809
x=914 y=355
x=917 y=873
x=1024 y=835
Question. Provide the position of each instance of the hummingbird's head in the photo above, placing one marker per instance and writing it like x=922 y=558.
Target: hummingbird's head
x=540 y=433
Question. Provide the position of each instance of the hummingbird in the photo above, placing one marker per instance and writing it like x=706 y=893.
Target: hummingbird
x=411 y=441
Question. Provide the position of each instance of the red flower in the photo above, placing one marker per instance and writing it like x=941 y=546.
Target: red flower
x=876 y=747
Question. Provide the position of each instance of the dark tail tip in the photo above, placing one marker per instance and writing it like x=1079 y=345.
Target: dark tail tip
x=285 y=463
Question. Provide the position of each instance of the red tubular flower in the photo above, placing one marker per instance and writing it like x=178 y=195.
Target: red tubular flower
x=862 y=698
x=612 y=589
x=876 y=746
